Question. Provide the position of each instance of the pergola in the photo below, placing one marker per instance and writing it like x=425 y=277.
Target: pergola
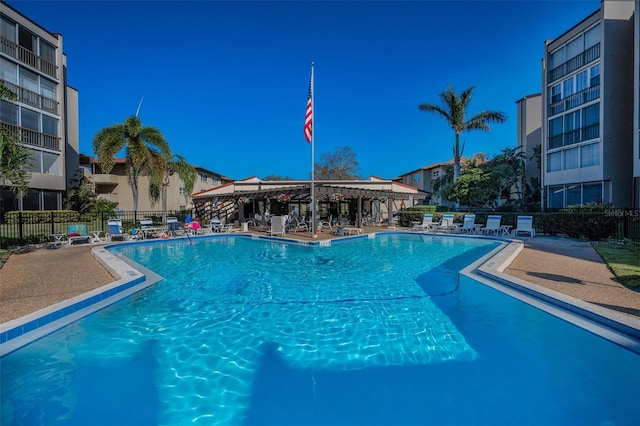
x=219 y=199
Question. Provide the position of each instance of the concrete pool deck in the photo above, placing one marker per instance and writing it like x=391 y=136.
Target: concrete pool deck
x=40 y=278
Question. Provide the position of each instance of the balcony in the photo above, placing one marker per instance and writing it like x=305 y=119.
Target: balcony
x=32 y=137
x=105 y=179
x=578 y=61
x=32 y=98
x=26 y=56
x=571 y=137
x=572 y=101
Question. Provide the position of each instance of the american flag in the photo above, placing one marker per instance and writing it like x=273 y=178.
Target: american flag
x=308 y=119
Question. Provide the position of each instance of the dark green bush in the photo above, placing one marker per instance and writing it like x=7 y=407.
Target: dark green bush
x=41 y=216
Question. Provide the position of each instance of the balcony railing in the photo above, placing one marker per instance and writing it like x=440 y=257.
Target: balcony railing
x=589 y=55
x=574 y=136
x=33 y=98
x=28 y=57
x=582 y=97
x=31 y=137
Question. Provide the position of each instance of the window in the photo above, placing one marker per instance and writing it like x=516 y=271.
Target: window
x=554 y=162
x=556 y=58
x=8 y=71
x=594 y=75
x=49 y=125
x=592 y=193
x=8 y=113
x=51 y=164
x=592 y=36
x=29 y=80
x=590 y=155
x=555 y=133
x=581 y=80
x=591 y=121
x=30 y=120
x=556 y=197
x=567 y=87
x=572 y=128
x=36 y=162
x=48 y=51
x=573 y=195
x=31 y=201
x=574 y=47
x=182 y=191
x=50 y=199
x=7 y=29
x=556 y=94
x=203 y=177
x=435 y=174
x=571 y=159
x=48 y=89
x=27 y=40
x=416 y=177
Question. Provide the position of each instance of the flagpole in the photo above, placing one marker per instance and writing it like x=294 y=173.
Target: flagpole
x=313 y=168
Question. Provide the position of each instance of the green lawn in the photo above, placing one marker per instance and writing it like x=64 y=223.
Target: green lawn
x=623 y=260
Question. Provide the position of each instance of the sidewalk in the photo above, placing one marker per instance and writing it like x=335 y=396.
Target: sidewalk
x=40 y=278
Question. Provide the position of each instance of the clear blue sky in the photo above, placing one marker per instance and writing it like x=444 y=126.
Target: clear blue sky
x=226 y=82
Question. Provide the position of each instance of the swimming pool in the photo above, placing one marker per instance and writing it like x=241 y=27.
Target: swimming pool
x=371 y=331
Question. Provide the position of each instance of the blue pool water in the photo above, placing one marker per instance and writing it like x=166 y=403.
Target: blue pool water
x=380 y=331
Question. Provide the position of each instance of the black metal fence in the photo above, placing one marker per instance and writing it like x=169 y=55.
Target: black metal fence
x=25 y=228
x=614 y=224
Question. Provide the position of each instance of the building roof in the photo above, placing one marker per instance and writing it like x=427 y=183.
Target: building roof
x=299 y=190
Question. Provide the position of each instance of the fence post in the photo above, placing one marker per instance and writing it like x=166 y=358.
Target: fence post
x=53 y=231
x=20 y=225
x=625 y=223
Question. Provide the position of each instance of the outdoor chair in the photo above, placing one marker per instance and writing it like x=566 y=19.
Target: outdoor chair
x=77 y=234
x=115 y=232
x=427 y=223
x=278 y=225
x=446 y=224
x=524 y=225
x=469 y=224
x=493 y=225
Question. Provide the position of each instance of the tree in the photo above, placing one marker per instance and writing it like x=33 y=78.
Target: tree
x=140 y=144
x=166 y=165
x=454 y=110
x=81 y=198
x=277 y=178
x=513 y=160
x=15 y=158
x=340 y=165
x=477 y=187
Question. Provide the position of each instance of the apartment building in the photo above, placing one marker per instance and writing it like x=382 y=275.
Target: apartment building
x=45 y=115
x=114 y=186
x=424 y=178
x=529 y=128
x=587 y=118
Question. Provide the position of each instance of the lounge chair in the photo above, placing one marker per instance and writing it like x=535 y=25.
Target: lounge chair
x=299 y=225
x=469 y=224
x=427 y=223
x=493 y=225
x=115 y=232
x=446 y=224
x=77 y=234
x=278 y=225
x=525 y=225
x=173 y=226
x=325 y=224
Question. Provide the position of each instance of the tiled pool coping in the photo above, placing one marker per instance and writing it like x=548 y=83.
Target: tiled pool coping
x=131 y=278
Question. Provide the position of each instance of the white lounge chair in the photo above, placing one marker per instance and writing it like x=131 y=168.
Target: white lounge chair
x=446 y=224
x=325 y=224
x=493 y=225
x=525 y=225
x=278 y=225
x=299 y=225
x=427 y=223
x=469 y=224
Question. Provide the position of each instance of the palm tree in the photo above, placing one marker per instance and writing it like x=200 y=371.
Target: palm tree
x=140 y=143
x=454 y=109
x=166 y=165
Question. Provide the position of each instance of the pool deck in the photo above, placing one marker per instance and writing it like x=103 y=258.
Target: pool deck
x=40 y=278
